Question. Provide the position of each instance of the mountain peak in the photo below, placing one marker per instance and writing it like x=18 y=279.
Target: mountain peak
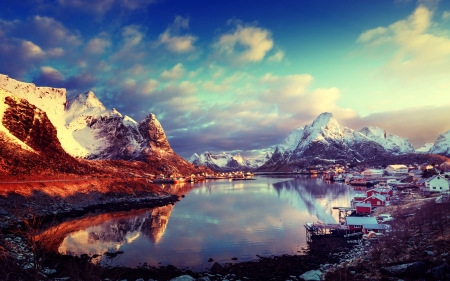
x=84 y=101
x=323 y=120
x=373 y=131
x=151 y=129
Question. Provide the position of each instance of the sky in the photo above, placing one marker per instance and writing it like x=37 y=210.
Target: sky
x=239 y=76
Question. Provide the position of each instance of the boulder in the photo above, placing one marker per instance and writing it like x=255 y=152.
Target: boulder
x=441 y=272
x=217 y=267
x=183 y=278
x=412 y=270
x=312 y=275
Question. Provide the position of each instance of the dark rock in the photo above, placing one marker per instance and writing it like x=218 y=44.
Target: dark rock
x=210 y=260
x=411 y=270
x=235 y=259
x=440 y=272
x=216 y=268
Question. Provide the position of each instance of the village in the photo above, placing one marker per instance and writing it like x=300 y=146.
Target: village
x=379 y=187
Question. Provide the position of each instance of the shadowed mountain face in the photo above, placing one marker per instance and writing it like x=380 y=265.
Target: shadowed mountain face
x=442 y=145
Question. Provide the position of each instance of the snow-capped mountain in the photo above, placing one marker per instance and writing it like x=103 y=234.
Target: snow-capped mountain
x=52 y=102
x=425 y=148
x=392 y=143
x=85 y=128
x=28 y=140
x=323 y=141
x=226 y=162
x=442 y=144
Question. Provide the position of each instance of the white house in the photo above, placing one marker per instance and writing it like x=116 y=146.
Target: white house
x=437 y=184
x=396 y=169
x=372 y=173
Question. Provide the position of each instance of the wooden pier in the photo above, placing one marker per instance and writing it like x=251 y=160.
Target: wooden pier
x=318 y=228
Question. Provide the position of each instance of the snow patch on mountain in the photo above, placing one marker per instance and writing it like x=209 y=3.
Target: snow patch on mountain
x=442 y=144
x=425 y=148
x=392 y=143
x=291 y=142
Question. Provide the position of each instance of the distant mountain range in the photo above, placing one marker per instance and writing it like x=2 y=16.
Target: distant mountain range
x=325 y=141
x=40 y=123
x=226 y=162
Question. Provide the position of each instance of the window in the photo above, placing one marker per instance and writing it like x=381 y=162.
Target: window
x=434 y=187
x=357 y=226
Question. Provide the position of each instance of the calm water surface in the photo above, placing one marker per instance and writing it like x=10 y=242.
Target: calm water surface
x=218 y=219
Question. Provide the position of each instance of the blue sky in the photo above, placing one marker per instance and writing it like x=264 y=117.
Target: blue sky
x=240 y=75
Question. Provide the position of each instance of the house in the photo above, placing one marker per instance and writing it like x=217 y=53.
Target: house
x=377 y=228
x=363 y=208
x=436 y=183
x=372 y=173
x=356 y=223
x=386 y=192
x=376 y=200
x=396 y=169
x=415 y=174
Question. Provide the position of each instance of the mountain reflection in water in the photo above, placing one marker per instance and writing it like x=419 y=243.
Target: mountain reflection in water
x=217 y=219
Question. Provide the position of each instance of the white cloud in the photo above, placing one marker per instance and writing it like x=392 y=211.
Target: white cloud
x=292 y=96
x=31 y=50
x=149 y=86
x=175 y=73
x=277 y=57
x=175 y=42
x=97 y=45
x=51 y=74
x=245 y=44
x=131 y=36
x=417 y=50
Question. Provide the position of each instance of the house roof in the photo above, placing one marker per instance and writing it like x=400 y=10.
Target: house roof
x=382 y=190
x=373 y=170
x=363 y=205
x=360 y=220
x=377 y=196
x=396 y=167
x=375 y=226
x=360 y=195
x=433 y=177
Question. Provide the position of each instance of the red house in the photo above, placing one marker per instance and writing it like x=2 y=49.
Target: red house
x=356 y=223
x=363 y=208
x=376 y=200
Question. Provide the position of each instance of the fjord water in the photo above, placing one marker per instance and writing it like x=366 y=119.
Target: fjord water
x=218 y=219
